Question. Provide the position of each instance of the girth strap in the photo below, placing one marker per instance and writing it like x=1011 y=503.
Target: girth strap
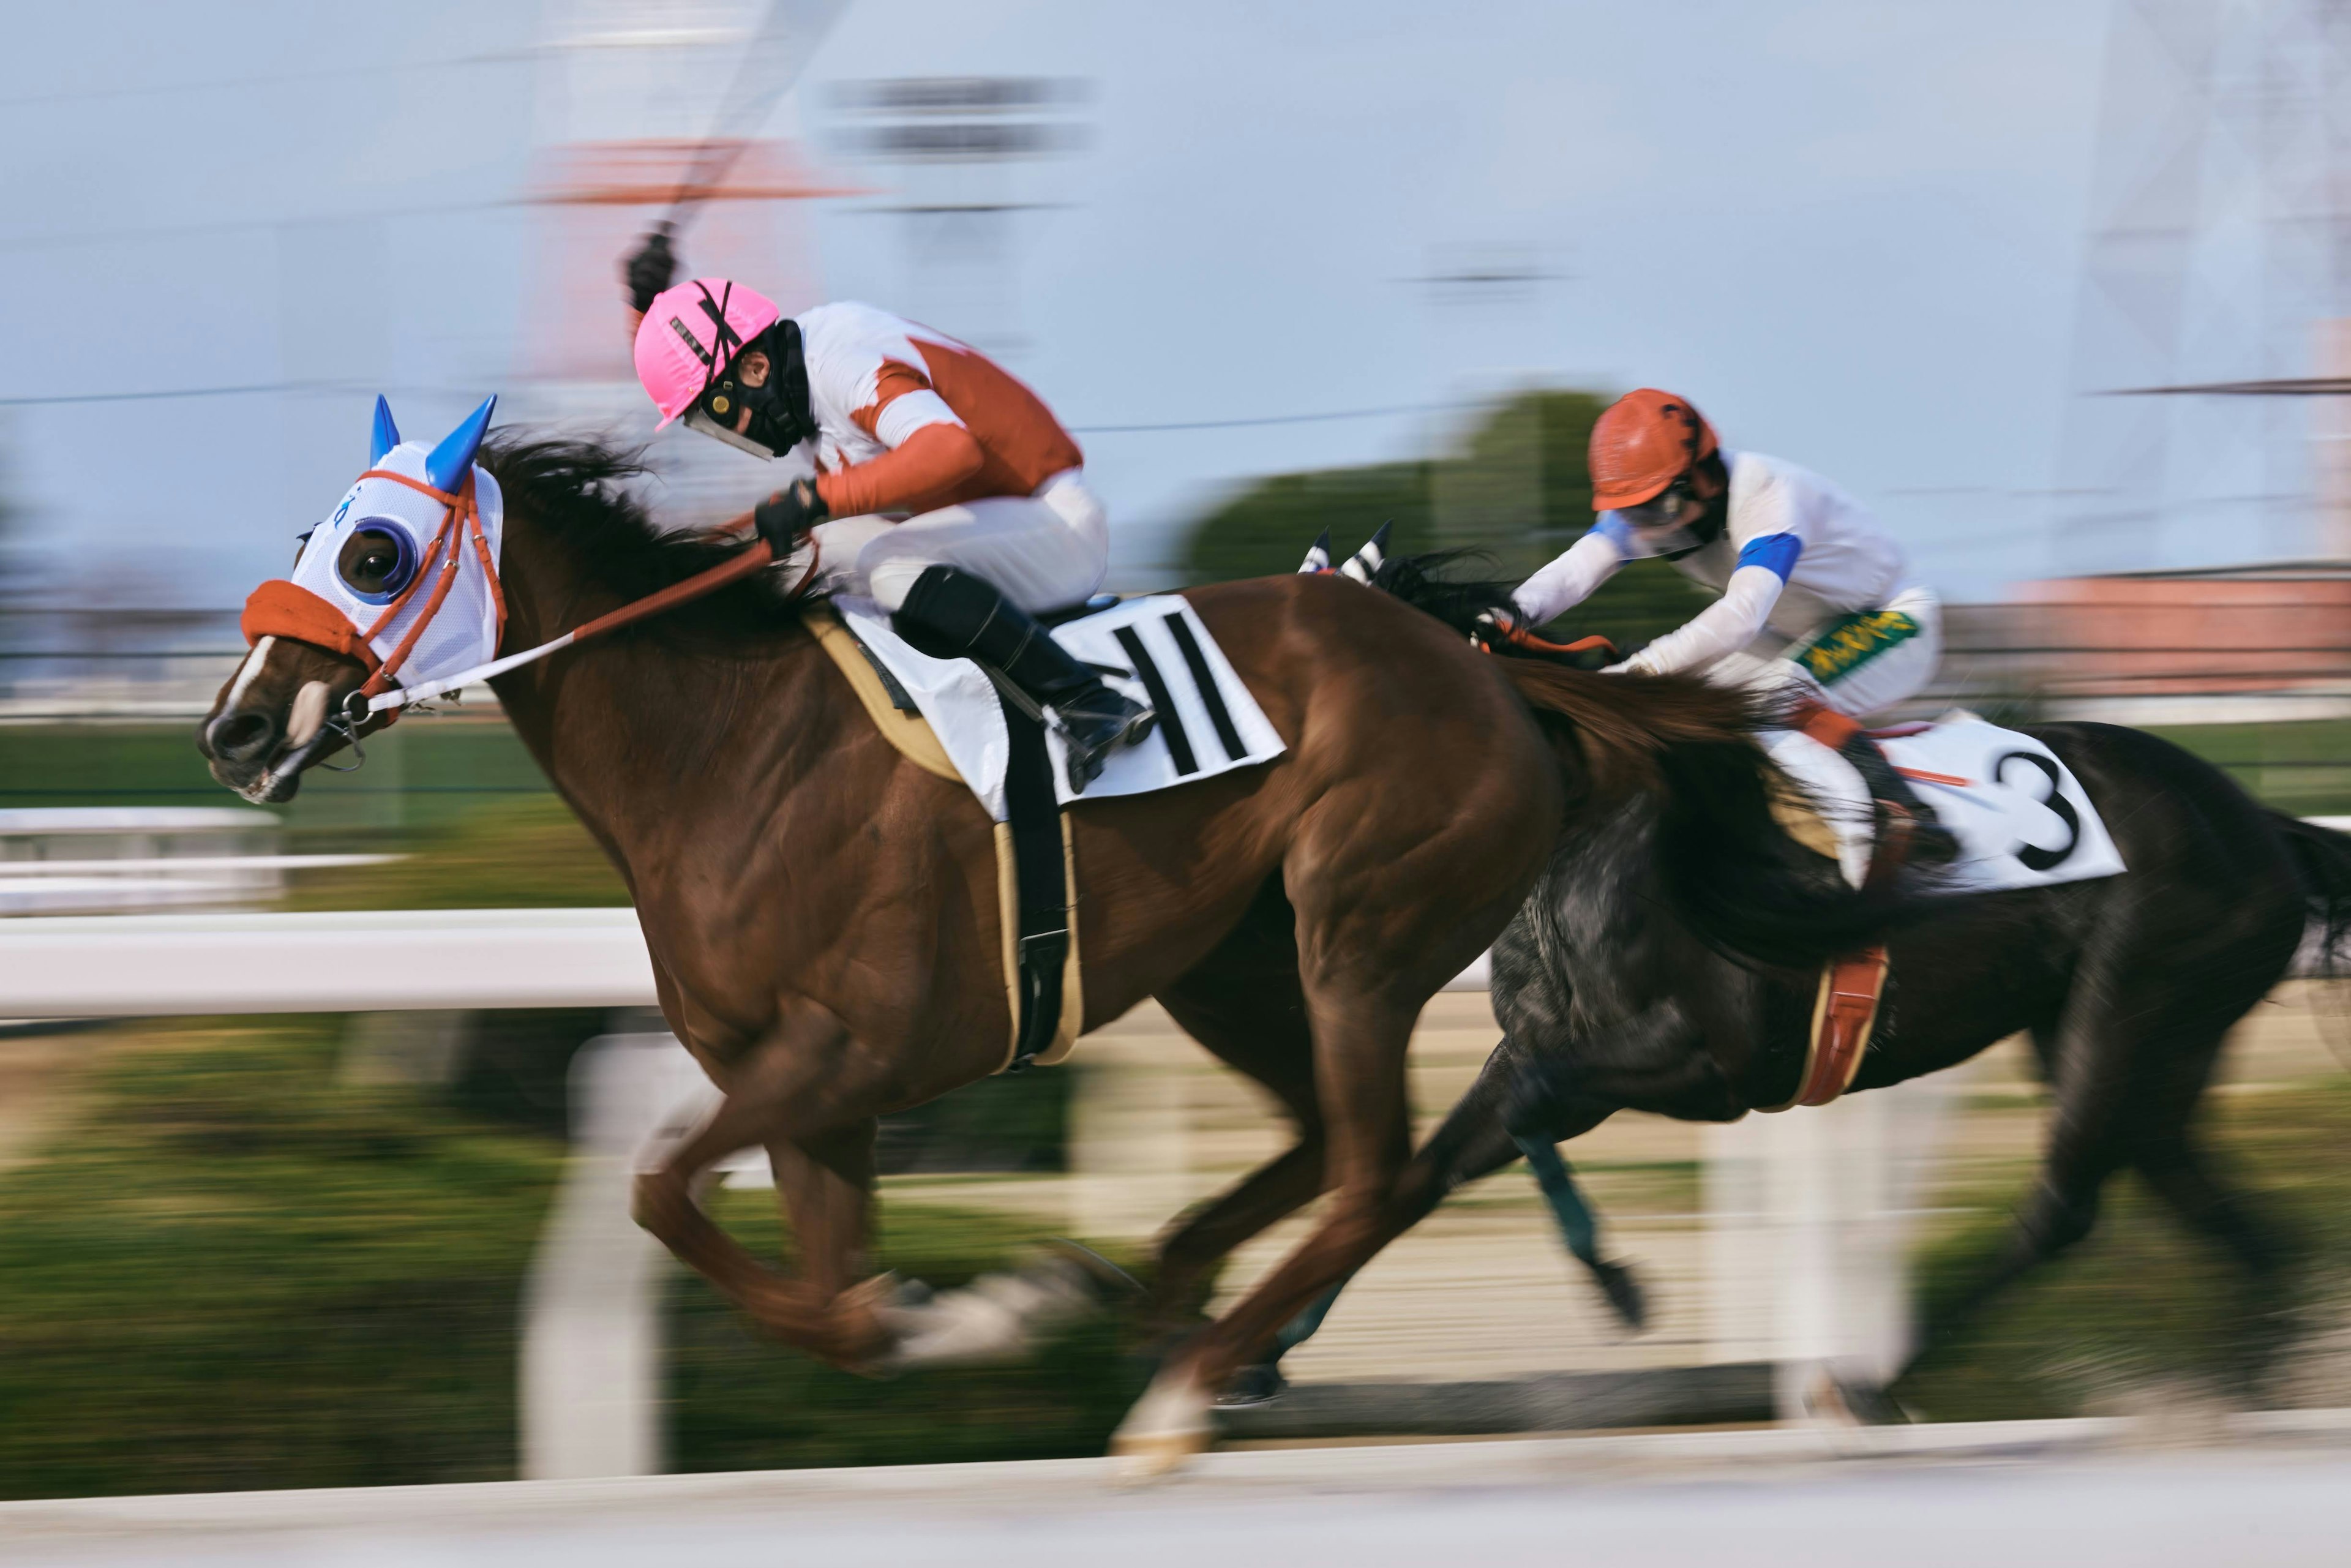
x=1041 y=879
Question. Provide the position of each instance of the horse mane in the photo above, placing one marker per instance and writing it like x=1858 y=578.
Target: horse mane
x=576 y=489
x=1621 y=725
x=1733 y=873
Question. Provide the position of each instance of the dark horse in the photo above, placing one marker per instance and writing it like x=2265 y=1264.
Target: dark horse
x=823 y=913
x=1611 y=998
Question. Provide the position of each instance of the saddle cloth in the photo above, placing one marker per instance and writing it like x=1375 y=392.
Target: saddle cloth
x=1153 y=649
x=2021 y=817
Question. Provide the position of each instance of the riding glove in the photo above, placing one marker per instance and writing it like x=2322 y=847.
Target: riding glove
x=649 y=270
x=788 y=514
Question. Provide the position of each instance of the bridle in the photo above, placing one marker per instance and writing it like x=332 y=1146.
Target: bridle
x=461 y=521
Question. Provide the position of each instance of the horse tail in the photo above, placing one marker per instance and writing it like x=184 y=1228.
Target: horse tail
x=1732 y=873
x=2322 y=858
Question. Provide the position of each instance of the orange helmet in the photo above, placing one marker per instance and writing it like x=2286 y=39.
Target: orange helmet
x=1645 y=441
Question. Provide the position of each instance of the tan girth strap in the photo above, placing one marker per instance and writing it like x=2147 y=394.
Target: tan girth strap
x=912 y=734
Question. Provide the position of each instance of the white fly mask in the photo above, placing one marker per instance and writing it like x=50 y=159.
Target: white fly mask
x=390 y=545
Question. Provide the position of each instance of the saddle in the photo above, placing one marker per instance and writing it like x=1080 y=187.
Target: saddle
x=1036 y=869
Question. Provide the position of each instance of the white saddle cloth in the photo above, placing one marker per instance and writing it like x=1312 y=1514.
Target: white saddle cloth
x=2021 y=817
x=1208 y=723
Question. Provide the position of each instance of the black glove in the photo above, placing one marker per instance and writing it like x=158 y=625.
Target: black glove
x=788 y=514
x=650 y=269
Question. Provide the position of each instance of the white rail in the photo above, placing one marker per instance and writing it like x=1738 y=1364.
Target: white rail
x=148 y=965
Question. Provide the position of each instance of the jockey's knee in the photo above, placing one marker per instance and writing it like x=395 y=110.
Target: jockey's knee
x=892 y=580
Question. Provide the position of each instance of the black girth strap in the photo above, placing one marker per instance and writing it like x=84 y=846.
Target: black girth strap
x=1041 y=882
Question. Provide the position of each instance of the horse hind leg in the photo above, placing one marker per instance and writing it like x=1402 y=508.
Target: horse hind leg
x=1474 y=1141
x=1252 y=1016
x=1369 y=1136
x=2167 y=1154
x=1471 y=1141
x=2087 y=1063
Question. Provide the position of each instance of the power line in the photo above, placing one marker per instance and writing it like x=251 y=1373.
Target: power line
x=1274 y=418
x=251 y=389
x=257 y=389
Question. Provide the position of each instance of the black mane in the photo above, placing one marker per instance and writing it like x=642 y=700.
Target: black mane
x=576 y=488
x=1420 y=581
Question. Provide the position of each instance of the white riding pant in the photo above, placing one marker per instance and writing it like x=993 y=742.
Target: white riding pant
x=1860 y=676
x=1042 y=552
x=1857 y=681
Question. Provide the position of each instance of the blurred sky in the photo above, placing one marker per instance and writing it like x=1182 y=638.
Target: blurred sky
x=1850 y=231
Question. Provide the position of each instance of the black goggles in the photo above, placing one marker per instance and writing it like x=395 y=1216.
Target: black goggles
x=1662 y=510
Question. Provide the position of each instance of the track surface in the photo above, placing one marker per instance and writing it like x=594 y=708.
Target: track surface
x=2274 y=1492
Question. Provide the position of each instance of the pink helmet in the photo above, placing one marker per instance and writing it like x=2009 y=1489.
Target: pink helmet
x=689 y=334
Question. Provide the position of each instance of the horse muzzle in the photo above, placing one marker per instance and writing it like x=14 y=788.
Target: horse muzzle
x=263 y=757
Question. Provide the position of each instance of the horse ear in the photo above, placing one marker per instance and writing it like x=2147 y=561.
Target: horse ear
x=1364 y=564
x=386 y=434
x=1317 y=559
x=447 y=467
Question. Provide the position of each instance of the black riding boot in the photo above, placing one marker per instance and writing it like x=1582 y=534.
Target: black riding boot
x=1930 y=842
x=951 y=614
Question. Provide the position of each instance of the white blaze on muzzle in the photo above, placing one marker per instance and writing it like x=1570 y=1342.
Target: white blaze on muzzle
x=462 y=631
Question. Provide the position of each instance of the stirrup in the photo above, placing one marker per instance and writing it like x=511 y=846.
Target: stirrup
x=1086 y=755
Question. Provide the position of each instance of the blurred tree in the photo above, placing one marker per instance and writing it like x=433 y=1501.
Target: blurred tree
x=15 y=552
x=1517 y=491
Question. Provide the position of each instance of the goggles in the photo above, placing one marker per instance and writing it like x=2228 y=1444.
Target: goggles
x=1662 y=510
x=1668 y=522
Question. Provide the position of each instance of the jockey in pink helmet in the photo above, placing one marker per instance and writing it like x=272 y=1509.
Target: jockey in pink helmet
x=943 y=489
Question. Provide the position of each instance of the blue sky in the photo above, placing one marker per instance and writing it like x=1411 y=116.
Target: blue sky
x=1850 y=231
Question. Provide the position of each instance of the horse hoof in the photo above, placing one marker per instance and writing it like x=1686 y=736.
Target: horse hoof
x=1626 y=1297
x=1253 y=1385
x=1167 y=1426
x=1847 y=1401
x=995 y=1318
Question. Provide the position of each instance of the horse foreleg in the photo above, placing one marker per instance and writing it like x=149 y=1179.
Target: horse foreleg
x=800 y=1092
x=1205 y=1237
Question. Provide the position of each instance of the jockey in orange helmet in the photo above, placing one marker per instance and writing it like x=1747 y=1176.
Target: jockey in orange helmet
x=944 y=488
x=1817 y=601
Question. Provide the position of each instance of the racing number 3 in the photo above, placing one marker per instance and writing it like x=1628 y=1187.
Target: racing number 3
x=2034 y=857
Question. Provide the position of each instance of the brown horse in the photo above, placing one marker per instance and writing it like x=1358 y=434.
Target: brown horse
x=823 y=913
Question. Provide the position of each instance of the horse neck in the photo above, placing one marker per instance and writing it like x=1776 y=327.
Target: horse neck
x=638 y=715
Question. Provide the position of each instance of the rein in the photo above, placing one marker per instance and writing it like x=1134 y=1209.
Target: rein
x=461 y=523
x=380 y=695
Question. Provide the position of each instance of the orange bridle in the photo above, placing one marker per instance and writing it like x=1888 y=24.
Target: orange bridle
x=459 y=515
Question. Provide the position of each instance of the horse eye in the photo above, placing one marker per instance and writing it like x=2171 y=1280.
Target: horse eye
x=374 y=563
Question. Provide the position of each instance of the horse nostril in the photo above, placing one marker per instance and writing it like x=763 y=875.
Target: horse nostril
x=241 y=736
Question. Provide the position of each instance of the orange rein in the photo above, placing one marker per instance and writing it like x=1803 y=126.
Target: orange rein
x=296 y=613
x=377 y=689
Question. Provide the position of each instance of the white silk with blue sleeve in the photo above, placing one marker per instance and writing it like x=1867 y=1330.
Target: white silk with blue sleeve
x=1797 y=551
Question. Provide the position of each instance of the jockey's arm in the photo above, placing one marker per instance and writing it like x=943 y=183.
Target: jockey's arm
x=1570 y=579
x=930 y=454
x=1725 y=626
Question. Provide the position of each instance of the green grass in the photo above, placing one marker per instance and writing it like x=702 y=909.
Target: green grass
x=518 y=853
x=2141 y=1301
x=424 y=770
x=232 y=1271
x=229 y=1268
x=2302 y=767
